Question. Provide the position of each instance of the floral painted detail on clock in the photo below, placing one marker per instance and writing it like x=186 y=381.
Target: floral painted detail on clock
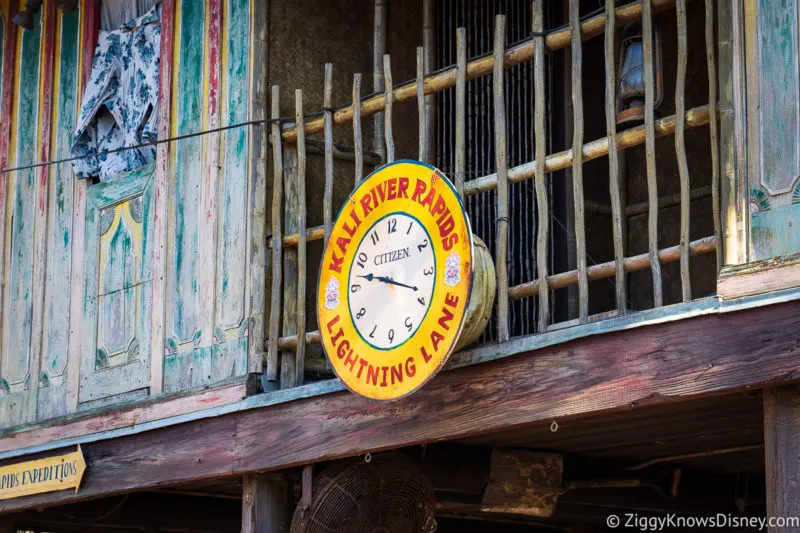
x=332 y=294
x=402 y=229
x=452 y=271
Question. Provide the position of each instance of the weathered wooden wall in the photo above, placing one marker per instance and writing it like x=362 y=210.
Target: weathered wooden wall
x=207 y=256
x=112 y=292
x=39 y=105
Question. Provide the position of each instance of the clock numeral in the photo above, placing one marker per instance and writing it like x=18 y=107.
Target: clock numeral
x=372 y=333
x=361 y=313
x=421 y=300
x=375 y=237
x=409 y=228
x=391 y=335
x=408 y=323
x=424 y=244
x=428 y=272
x=392 y=226
x=362 y=258
x=355 y=287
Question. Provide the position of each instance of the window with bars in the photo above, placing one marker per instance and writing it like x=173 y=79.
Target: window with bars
x=586 y=218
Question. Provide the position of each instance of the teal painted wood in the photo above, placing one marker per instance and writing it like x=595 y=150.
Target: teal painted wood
x=780 y=82
x=117 y=302
x=15 y=361
x=52 y=373
x=232 y=261
x=776 y=232
x=183 y=305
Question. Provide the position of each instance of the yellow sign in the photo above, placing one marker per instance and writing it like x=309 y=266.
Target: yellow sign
x=395 y=280
x=43 y=475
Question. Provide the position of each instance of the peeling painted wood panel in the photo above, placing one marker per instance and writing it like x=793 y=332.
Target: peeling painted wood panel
x=89 y=26
x=7 y=54
x=15 y=361
x=183 y=297
x=42 y=193
x=776 y=232
x=52 y=396
x=779 y=105
x=115 y=356
x=231 y=267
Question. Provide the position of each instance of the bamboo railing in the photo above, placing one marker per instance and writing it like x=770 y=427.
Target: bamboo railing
x=422 y=86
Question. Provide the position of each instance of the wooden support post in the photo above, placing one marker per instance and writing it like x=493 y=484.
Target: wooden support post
x=387 y=114
x=540 y=142
x=265 y=504
x=782 y=456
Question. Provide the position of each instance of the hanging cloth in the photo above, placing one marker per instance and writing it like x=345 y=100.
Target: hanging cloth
x=120 y=103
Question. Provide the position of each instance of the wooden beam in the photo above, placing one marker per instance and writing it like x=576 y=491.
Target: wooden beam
x=781 y=445
x=265 y=504
x=668 y=362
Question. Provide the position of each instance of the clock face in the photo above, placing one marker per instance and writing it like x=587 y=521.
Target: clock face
x=391 y=281
x=395 y=280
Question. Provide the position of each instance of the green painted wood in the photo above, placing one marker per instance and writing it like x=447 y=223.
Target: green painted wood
x=117 y=301
x=776 y=232
x=15 y=361
x=183 y=305
x=52 y=396
x=232 y=261
x=780 y=82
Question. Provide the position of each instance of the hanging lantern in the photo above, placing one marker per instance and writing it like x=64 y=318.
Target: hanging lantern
x=630 y=87
x=24 y=18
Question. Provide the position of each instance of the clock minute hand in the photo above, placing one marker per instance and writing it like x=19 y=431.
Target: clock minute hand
x=387 y=279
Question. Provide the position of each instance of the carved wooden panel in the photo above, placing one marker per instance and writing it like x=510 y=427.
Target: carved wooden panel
x=118 y=294
x=775 y=185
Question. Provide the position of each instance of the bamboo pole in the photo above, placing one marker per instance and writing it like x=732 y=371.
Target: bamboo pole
x=607 y=270
x=423 y=132
x=461 y=110
x=277 y=252
x=680 y=149
x=501 y=163
x=378 y=49
x=695 y=117
x=300 y=178
x=540 y=146
x=614 y=177
x=327 y=102
x=650 y=150
x=358 y=145
x=565 y=279
x=288 y=374
x=577 y=161
x=387 y=115
x=712 y=124
x=481 y=66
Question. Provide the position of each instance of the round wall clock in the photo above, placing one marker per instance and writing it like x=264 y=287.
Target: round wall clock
x=395 y=280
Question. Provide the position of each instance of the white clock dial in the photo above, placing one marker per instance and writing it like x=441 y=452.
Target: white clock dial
x=391 y=281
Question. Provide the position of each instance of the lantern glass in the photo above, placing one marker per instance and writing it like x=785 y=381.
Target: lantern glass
x=630 y=87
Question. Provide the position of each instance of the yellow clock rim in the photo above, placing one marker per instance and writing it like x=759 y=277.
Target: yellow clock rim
x=465 y=293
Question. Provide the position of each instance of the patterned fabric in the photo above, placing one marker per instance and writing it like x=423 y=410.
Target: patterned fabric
x=120 y=102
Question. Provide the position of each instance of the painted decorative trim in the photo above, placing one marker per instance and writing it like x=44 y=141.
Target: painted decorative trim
x=759 y=200
x=796 y=193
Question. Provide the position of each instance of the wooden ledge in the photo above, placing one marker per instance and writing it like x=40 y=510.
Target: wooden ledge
x=127 y=415
x=759 y=277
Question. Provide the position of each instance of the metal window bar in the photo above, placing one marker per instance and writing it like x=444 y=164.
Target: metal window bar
x=502 y=58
